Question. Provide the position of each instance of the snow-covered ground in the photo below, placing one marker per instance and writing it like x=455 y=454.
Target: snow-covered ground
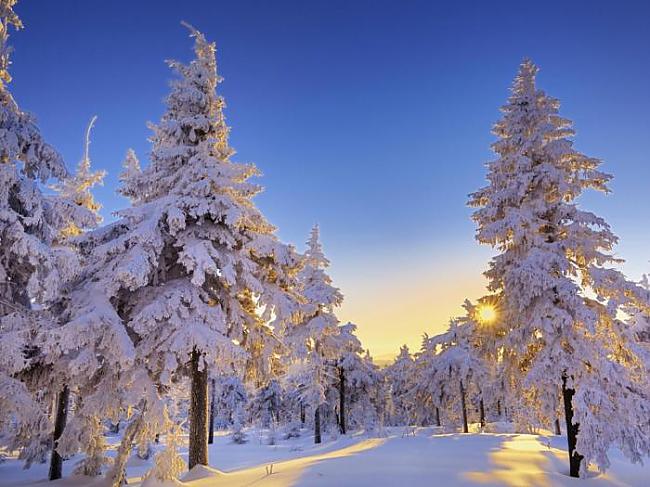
x=400 y=458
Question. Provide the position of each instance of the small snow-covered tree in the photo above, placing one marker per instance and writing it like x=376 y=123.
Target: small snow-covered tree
x=131 y=185
x=452 y=369
x=400 y=377
x=233 y=399
x=365 y=391
x=559 y=294
x=313 y=339
x=168 y=464
x=349 y=347
x=266 y=405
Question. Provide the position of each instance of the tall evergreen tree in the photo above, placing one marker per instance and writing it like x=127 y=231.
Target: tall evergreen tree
x=30 y=269
x=188 y=270
x=76 y=200
x=559 y=295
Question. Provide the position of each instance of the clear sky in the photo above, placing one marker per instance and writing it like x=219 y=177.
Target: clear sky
x=371 y=118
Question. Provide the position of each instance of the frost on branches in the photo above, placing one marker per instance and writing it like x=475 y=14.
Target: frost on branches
x=75 y=191
x=558 y=293
x=188 y=272
x=30 y=272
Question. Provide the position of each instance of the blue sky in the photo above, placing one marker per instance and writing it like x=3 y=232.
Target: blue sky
x=371 y=118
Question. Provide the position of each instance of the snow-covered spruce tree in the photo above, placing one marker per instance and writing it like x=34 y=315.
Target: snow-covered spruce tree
x=452 y=369
x=130 y=183
x=424 y=407
x=168 y=463
x=75 y=200
x=266 y=404
x=559 y=296
x=173 y=278
x=347 y=362
x=365 y=393
x=399 y=376
x=313 y=339
x=233 y=399
x=220 y=261
x=30 y=270
x=357 y=384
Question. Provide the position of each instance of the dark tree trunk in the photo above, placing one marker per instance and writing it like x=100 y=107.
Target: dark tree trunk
x=198 y=449
x=302 y=414
x=499 y=408
x=56 y=461
x=482 y=411
x=571 y=430
x=317 y=438
x=438 y=417
x=558 y=431
x=342 y=400
x=464 y=406
x=211 y=427
x=114 y=427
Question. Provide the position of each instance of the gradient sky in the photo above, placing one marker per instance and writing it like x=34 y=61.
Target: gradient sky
x=371 y=118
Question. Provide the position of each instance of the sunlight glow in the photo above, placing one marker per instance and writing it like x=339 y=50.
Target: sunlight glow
x=486 y=313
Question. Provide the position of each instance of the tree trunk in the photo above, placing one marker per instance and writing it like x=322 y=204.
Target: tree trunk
x=438 y=417
x=198 y=449
x=557 y=427
x=482 y=410
x=56 y=461
x=571 y=430
x=342 y=400
x=114 y=427
x=499 y=408
x=302 y=415
x=213 y=384
x=464 y=406
x=317 y=438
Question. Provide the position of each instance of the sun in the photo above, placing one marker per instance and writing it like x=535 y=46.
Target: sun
x=486 y=313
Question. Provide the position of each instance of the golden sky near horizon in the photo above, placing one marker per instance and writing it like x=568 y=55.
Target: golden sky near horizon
x=396 y=304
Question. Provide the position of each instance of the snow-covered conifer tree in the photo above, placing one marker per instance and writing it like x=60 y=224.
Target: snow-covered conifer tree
x=313 y=339
x=30 y=271
x=365 y=392
x=131 y=185
x=75 y=200
x=399 y=376
x=559 y=295
x=177 y=273
x=452 y=368
x=233 y=399
x=265 y=406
